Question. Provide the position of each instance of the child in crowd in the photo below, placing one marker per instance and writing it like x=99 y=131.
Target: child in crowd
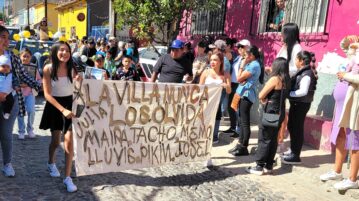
x=25 y=56
x=6 y=85
x=58 y=90
x=302 y=93
x=100 y=63
x=127 y=71
x=273 y=95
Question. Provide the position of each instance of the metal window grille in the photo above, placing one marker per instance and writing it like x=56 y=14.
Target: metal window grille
x=206 y=22
x=310 y=15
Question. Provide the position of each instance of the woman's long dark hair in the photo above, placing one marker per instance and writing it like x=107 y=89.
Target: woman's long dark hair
x=290 y=34
x=259 y=57
x=56 y=63
x=279 y=68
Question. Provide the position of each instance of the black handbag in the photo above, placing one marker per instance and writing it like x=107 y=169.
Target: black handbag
x=270 y=119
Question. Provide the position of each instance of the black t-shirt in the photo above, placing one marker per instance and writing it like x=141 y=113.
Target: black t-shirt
x=89 y=52
x=172 y=70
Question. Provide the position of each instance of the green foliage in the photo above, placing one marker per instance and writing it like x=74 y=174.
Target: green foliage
x=157 y=20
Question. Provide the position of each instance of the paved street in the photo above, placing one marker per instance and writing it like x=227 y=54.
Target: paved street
x=189 y=181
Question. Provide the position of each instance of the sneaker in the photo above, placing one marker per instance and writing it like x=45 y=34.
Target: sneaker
x=8 y=170
x=291 y=159
x=21 y=136
x=54 y=172
x=332 y=175
x=286 y=153
x=215 y=141
x=6 y=115
x=267 y=171
x=346 y=184
x=235 y=148
x=228 y=131
x=234 y=135
x=70 y=186
x=242 y=151
x=31 y=134
x=257 y=170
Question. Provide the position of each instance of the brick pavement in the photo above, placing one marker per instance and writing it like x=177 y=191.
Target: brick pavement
x=189 y=181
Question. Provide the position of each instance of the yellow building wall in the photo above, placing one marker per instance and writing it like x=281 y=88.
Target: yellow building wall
x=52 y=14
x=67 y=18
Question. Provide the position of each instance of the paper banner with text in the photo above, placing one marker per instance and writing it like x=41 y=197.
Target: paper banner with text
x=126 y=125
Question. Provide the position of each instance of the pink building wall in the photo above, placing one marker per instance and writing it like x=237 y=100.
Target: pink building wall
x=342 y=20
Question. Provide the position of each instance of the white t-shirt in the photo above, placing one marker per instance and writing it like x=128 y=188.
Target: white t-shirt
x=283 y=53
x=6 y=81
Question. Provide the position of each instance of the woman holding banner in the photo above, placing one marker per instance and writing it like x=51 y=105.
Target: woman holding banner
x=58 y=90
x=215 y=75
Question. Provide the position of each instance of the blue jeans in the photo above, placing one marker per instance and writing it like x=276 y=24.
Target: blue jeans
x=6 y=126
x=224 y=102
x=30 y=110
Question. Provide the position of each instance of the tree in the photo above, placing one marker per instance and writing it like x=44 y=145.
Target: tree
x=157 y=20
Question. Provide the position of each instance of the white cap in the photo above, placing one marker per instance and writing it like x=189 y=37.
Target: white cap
x=4 y=60
x=244 y=42
x=112 y=38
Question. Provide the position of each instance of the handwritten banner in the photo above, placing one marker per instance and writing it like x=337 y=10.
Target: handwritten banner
x=127 y=125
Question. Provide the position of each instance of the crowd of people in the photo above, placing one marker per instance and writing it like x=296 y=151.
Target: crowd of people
x=237 y=67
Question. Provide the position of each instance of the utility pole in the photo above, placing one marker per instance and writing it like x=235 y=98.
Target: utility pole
x=45 y=5
x=28 y=12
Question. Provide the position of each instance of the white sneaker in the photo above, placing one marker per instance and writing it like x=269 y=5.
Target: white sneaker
x=286 y=153
x=70 y=186
x=31 y=134
x=8 y=170
x=6 y=115
x=332 y=175
x=346 y=184
x=21 y=136
x=54 y=172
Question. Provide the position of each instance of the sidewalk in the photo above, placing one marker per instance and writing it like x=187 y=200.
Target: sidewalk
x=301 y=182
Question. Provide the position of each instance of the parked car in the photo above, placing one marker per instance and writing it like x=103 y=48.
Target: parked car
x=39 y=50
x=148 y=58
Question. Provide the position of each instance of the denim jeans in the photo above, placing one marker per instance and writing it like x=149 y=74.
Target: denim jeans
x=30 y=111
x=224 y=103
x=6 y=126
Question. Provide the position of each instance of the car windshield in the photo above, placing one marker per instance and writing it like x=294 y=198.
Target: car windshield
x=150 y=53
x=35 y=46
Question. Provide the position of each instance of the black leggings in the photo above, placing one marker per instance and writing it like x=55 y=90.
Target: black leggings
x=245 y=128
x=267 y=146
x=296 y=118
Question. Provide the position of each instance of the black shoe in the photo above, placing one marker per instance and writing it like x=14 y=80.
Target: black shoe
x=257 y=170
x=228 y=131
x=291 y=159
x=242 y=151
x=235 y=148
x=234 y=135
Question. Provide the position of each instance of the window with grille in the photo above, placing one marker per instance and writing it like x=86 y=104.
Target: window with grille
x=206 y=22
x=310 y=15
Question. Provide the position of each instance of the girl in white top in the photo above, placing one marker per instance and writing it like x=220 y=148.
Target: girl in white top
x=291 y=47
x=215 y=75
x=58 y=90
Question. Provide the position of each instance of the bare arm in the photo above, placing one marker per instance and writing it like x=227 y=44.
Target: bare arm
x=154 y=76
x=227 y=81
x=203 y=77
x=47 y=93
x=268 y=87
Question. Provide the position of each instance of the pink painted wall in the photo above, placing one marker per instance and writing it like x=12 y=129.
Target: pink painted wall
x=342 y=20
